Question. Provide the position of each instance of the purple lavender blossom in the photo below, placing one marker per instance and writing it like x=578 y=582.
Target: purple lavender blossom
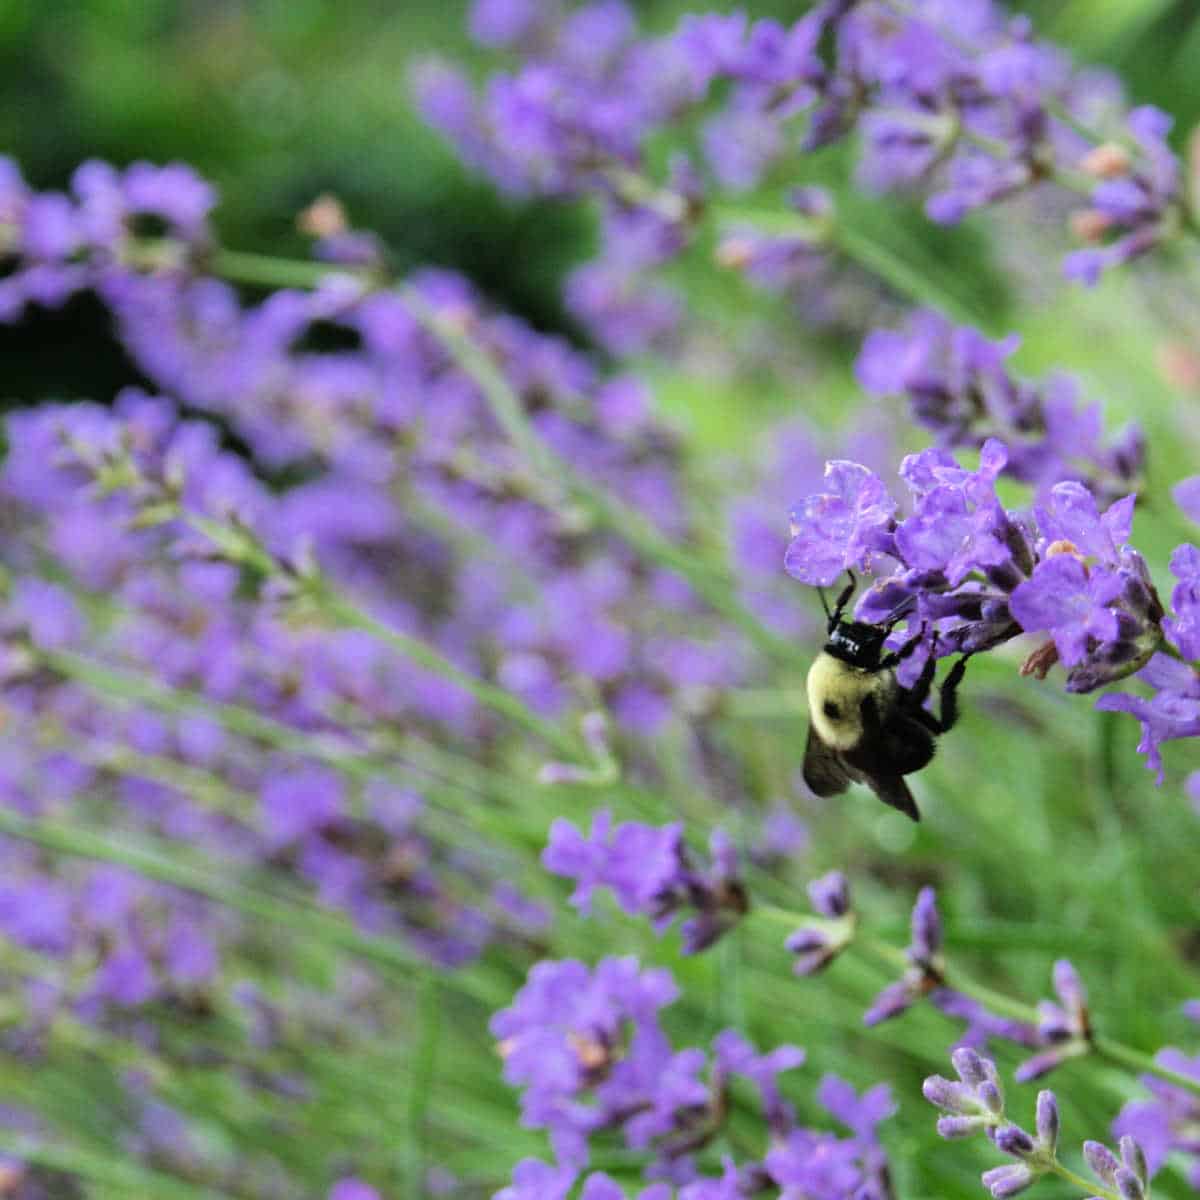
x=63 y=244
x=1136 y=202
x=925 y=972
x=1166 y=1122
x=571 y=1030
x=967 y=105
x=1173 y=711
x=818 y=943
x=1128 y=1175
x=848 y=526
x=979 y=574
x=650 y=873
x=975 y=1104
x=1064 y=1028
x=958 y=385
x=536 y=1180
x=590 y=1054
x=352 y=1189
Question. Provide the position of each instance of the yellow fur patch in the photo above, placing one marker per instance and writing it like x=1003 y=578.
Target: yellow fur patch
x=831 y=681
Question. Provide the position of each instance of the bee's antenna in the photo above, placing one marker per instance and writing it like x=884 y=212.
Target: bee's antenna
x=825 y=605
x=842 y=600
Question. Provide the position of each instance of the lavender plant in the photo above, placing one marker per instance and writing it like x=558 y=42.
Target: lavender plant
x=368 y=614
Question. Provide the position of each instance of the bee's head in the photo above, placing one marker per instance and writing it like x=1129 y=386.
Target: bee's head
x=857 y=643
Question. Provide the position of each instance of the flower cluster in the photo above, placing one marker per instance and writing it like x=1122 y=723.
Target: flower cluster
x=924 y=973
x=975 y=574
x=792 y=456
x=589 y=1052
x=958 y=386
x=58 y=243
x=963 y=103
x=1065 y=1028
x=974 y=1103
x=651 y=874
x=287 y=661
x=346 y=389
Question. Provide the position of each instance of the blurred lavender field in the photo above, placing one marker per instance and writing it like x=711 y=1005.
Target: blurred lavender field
x=426 y=432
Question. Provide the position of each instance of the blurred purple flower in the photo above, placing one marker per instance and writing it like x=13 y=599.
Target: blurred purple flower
x=650 y=873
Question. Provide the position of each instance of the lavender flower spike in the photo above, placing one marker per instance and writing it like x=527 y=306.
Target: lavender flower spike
x=1064 y=1029
x=1128 y=1174
x=818 y=943
x=925 y=975
x=975 y=1104
x=650 y=872
x=847 y=526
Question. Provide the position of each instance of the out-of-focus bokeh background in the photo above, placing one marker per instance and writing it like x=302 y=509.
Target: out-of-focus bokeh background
x=281 y=100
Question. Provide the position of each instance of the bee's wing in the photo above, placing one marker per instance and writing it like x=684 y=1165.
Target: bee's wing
x=890 y=749
x=892 y=789
x=825 y=772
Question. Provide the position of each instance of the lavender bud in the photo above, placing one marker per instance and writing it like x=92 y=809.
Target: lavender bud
x=1101 y=1160
x=1008 y=1180
x=1128 y=1184
x=991 y=1097
x=960 y=1127
x=1134 y=1158
x=1054 y=1024
x=553 y=774
x=813 y=963
x=891 y=1002
x=1037 y=1066
x=1015 y=1141
x=926 y=927
x=805 y=941
x=1047 y=1120
x=830 y=895
x=1069 y=987
x=953 y=1097
x=594 y=726
x=970 y=1066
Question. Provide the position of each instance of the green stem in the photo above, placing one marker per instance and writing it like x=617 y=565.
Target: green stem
x=205 y=786
x=427 y=1028
x=264 y=270
x=904 y=279
x=1139 y=1061
x=1090 y=1186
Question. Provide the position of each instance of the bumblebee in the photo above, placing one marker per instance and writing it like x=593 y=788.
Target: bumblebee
x=864 y=726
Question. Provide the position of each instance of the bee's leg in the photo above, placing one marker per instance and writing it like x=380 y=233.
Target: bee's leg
x=948 y=694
